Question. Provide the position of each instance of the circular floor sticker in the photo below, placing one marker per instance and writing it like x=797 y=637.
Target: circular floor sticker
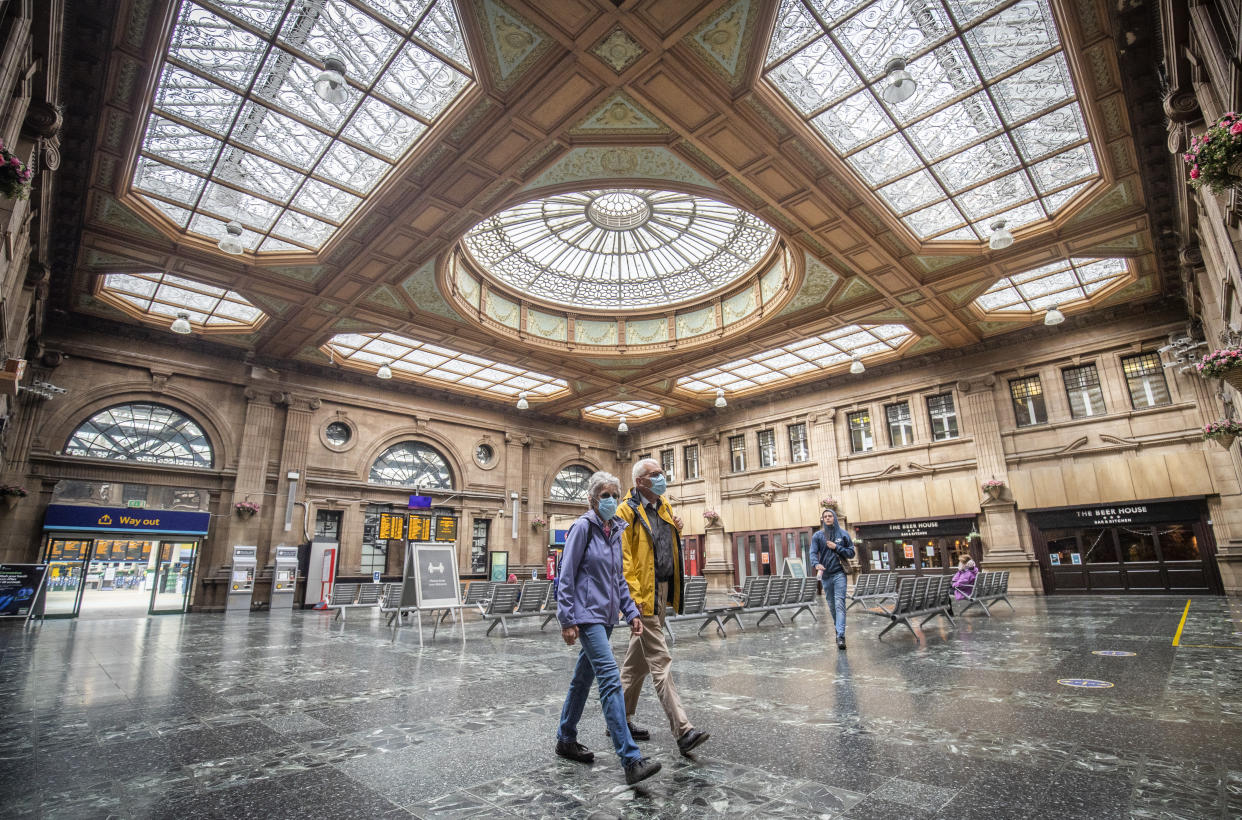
x=1085 y=683
x=1114 y=653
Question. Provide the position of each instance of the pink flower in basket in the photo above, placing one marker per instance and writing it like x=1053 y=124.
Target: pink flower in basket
x=246 y=508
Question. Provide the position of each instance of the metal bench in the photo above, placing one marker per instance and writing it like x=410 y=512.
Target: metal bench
x=800 y=597
x=925 y=597
x=343 y=595
x=533 y=595
x=694 y=608
x=774 y=599
x=873 y=589
x=756 y=590
x=476 y=594
x=990 y=588
x=390 y=601
x=368 y=597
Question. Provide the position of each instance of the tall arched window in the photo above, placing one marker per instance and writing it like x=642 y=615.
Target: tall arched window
x=142 y=432
x=570 y=483
x=414 y=465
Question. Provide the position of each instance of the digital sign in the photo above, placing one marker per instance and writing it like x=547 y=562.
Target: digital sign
x=446 y=528
x=391 y=527
x=420 y=528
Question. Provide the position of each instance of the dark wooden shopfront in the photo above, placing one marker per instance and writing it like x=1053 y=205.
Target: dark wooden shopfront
x=1152 y=547
x=925 y=546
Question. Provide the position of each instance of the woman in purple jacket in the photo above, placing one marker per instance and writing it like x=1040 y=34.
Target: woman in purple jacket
x=592 y=590
x=964 y=579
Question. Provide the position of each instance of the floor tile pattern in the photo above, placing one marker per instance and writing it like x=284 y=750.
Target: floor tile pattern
x=271 y=716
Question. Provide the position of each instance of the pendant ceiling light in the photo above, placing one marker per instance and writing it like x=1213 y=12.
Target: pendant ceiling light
x=231 y=241
x=1000 y=238
x=1053 y=316
x=622 y=427
x=522 y=403
x=384 y=372
x=330 y=84
x=720 y=399
x=899 y=86
x=181 y=325
x=856 y=366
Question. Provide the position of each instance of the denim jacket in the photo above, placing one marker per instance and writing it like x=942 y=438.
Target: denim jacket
x=830 y=559
x=592 y=588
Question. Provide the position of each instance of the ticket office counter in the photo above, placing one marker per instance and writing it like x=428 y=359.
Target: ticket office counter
x=1152 y=547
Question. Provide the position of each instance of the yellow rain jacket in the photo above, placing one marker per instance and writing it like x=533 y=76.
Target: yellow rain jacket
x=638 y=553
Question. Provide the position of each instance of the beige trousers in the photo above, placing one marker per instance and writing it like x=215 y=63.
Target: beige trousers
x=648 y=654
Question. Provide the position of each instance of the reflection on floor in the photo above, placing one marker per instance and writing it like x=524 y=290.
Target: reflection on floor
x=115 y=603
x=281 y=716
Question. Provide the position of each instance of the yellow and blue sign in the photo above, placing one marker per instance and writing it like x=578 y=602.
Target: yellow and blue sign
x=1114 y=653
x=1085 y=683
x=122 y=519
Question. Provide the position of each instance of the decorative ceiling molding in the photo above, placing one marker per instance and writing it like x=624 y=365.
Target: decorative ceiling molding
x=618 y=50
x=619 y=114
x=725 y=38
x=588 y=164
x=512 y=43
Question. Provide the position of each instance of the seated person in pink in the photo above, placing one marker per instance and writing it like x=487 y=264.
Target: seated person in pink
x=964 y=579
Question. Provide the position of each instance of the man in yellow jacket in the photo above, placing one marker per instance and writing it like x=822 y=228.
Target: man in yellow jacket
x=651 y=559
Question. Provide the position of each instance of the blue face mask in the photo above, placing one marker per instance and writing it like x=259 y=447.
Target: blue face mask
x=607 y=508
x=659 y=484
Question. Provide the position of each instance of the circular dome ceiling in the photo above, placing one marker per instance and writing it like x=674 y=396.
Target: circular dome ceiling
x=619 y=249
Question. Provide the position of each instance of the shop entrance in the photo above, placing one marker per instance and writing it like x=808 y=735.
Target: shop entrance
x=763 y=552
x=923 y=547
x=118 y=578
x=1145 y=547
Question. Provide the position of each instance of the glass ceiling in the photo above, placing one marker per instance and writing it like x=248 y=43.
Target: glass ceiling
x=440 y=365
x=236 y=130
x=619 y=249
x=817 y=353
x=163 y=296
x=633 y=410
x=1058 y=283
x=993 y=129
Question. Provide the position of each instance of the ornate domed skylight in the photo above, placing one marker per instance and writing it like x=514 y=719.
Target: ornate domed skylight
x=619 y=249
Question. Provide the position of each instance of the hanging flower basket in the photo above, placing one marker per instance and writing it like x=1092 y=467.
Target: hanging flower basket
x=1225 y=363
x=12 y=494
x=828 y=503
x=14 y=175
x=993 y=487
x=245 y=509
x=1215 y=157
x=711 y=517
x=538 y=522
x=1224 y=432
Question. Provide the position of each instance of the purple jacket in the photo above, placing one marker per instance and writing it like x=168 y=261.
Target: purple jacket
x=592 y=588
x=964 y=582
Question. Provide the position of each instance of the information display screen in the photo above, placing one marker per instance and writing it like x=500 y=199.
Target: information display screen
x=420 y=528
x=391 y=527
x=446 y=528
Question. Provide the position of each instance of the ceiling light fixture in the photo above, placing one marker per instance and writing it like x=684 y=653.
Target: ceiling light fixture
x=231 y=241
x=899 y=85
x=856 y=366
x=622 y=427
x=384 y=372
x=522 y=403
x=1000 y=238
x=1054 y=316
x=720 y=399
x=330 y=83
x=181 y=325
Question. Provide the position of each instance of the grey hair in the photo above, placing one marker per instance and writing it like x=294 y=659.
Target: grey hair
x=598 y=481
x=638 y=468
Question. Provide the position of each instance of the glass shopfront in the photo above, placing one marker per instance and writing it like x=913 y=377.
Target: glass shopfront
x=1139 y=547
x=927 y=546
x=763 y=552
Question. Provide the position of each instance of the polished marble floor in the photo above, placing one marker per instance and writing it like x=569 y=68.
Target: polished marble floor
x=283 y=716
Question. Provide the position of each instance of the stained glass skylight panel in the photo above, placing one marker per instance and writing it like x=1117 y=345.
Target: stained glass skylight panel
x=992 y=130
x=161 y=296
x=817 y=353
x=633 y=410
x=235 y=105
x=438 y=364
x=1054 y=284
x=620 y=249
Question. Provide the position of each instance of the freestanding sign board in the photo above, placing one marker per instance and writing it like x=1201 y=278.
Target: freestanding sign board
x=795 y=567
x=498 y=566
x=430 y=577
x=19 y=588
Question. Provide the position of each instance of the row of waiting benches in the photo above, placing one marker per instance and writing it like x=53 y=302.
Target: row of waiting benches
x=926 y=597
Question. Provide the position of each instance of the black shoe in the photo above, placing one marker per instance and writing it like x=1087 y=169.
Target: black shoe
x=841 y=642
x=637 y=733
x=640 y=770
x=574 y=751
x=690 y=740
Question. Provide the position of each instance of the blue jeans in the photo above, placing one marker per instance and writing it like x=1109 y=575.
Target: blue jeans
x=834 y=591
x=595 y=661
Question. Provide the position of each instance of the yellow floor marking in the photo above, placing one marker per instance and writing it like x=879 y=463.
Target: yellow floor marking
x=1206 y=646
x=1178 y=637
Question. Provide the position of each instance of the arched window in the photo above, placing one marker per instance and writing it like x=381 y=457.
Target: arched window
x=414 y=465
x=143 y=432
x=570 y=483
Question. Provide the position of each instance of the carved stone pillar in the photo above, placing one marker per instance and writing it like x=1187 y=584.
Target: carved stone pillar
x=295 y=443
x=535 y=542
x=509 y=536
x=1004 y=546
x=717 y=558
x=824 y=451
